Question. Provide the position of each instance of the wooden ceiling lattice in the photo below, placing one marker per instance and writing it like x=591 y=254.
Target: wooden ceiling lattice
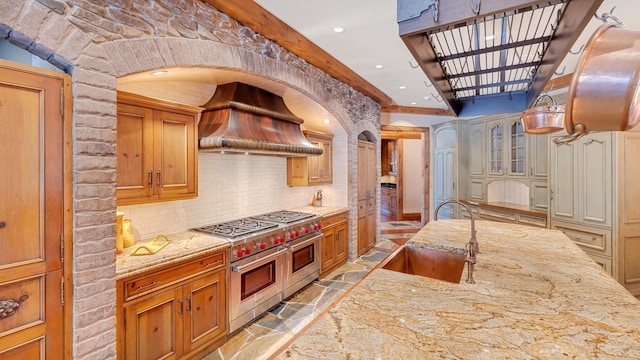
x=498 y=59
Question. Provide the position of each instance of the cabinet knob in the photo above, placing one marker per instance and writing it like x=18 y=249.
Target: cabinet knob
x=2 y=224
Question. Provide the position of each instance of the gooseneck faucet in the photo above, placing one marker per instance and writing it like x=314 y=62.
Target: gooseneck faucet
x=472 y=246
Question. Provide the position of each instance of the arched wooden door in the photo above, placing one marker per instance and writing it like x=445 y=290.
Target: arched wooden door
x=31 y=213
x=366 y=196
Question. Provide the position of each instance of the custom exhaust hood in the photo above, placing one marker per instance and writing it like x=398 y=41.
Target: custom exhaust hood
x=241 y=118
x=491 y=56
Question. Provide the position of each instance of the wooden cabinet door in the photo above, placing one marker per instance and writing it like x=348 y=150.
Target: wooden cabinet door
x=341 y=243
x=325 y=164
x=366 y=196
x=31 y=213
x=153 y=327
x=134 y=152
x=205 y=311
x=328 y=246
x=175 y=157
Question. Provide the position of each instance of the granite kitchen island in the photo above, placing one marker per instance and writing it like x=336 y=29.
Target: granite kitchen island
x=536 y=296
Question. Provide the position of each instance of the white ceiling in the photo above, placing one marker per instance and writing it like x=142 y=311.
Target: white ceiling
x=371 y=38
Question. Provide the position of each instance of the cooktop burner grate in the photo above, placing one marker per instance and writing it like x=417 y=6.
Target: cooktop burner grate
x=284 y=216
x=236 y=228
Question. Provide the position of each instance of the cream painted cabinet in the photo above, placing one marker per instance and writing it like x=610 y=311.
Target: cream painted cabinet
x=506 y=147
x=581 y=187
x=477 y=146
x=156 y=150
x=445 y=169
x=538 y=150
x=595 y=192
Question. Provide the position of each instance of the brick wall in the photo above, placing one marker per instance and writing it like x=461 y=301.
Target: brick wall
x=97 y=42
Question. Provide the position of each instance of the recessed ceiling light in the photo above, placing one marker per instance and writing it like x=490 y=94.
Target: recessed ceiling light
x=159 y=72
x=379 y=66
x=402 y=87
x=338 y=29
x=427 y=97
x=413 y=103
x=327 y=121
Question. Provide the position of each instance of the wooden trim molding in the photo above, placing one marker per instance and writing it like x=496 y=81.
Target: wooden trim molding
x=415 y=110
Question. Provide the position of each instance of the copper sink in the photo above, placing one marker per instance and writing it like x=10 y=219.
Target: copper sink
x=440 y=265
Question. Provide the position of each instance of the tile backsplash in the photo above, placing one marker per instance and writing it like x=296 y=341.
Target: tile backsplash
x=232 y=186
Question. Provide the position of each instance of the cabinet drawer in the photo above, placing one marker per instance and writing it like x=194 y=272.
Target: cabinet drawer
x=497 y=215
x=532 y=220
x=153 y=281
x=592 y=239
x=334 y=219
x=604 y=262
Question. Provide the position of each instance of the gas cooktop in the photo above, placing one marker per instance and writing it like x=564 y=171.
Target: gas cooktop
x=255 y=225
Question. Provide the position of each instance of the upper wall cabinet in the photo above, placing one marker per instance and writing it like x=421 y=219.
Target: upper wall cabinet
x=506 y=147
x=156 y=150
x=312 y=170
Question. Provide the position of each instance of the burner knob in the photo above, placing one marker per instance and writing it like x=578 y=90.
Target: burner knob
x=297 y=233
x=306 y=230
x=262 y=246
x=247 y=251
x=238 y=253
x=292 y=234
x=275 y=240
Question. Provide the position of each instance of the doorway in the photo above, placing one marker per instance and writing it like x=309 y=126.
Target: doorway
x=404 y=167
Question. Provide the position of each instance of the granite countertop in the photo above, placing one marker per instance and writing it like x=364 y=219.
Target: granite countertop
x=188 y=244
x=537 y=295
x=323 y=211
x=497 y=205
x=184 y=246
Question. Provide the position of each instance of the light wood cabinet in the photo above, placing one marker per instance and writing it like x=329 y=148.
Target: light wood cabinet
x=34 y=212
x=366 y=196
x=174 y=312
x=312 y=170
x=335 y=241
x=389 y=202
x=156 y=150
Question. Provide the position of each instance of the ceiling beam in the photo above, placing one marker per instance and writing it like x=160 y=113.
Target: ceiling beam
x=261 y=21
x=414 y=110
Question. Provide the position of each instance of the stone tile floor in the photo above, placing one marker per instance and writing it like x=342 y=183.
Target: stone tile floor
x=269 y=332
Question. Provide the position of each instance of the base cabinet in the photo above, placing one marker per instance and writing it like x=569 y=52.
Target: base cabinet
x=335 y=241
x=389 y=203
x=174 y=313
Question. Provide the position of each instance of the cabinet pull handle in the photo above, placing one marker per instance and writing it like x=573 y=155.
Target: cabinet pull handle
x=180 y=310
x=189 y=303
x=159 y=178
x=531 y=171
x=151 y=177
x=551 y=193
x=215 y=263
x=148 y=285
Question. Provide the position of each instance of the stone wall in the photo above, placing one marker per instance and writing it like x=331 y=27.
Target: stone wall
x=98 y=41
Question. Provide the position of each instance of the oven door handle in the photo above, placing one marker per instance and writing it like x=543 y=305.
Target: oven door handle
x=242 y=267
x=304 y=243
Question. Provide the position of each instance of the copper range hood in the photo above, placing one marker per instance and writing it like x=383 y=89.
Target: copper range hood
x=491 y=56
x=241 y=118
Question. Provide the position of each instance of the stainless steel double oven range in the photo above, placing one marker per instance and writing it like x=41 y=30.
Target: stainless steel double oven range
x=272 y=256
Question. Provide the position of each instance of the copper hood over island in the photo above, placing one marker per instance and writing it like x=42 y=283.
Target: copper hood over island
x=241 y=118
